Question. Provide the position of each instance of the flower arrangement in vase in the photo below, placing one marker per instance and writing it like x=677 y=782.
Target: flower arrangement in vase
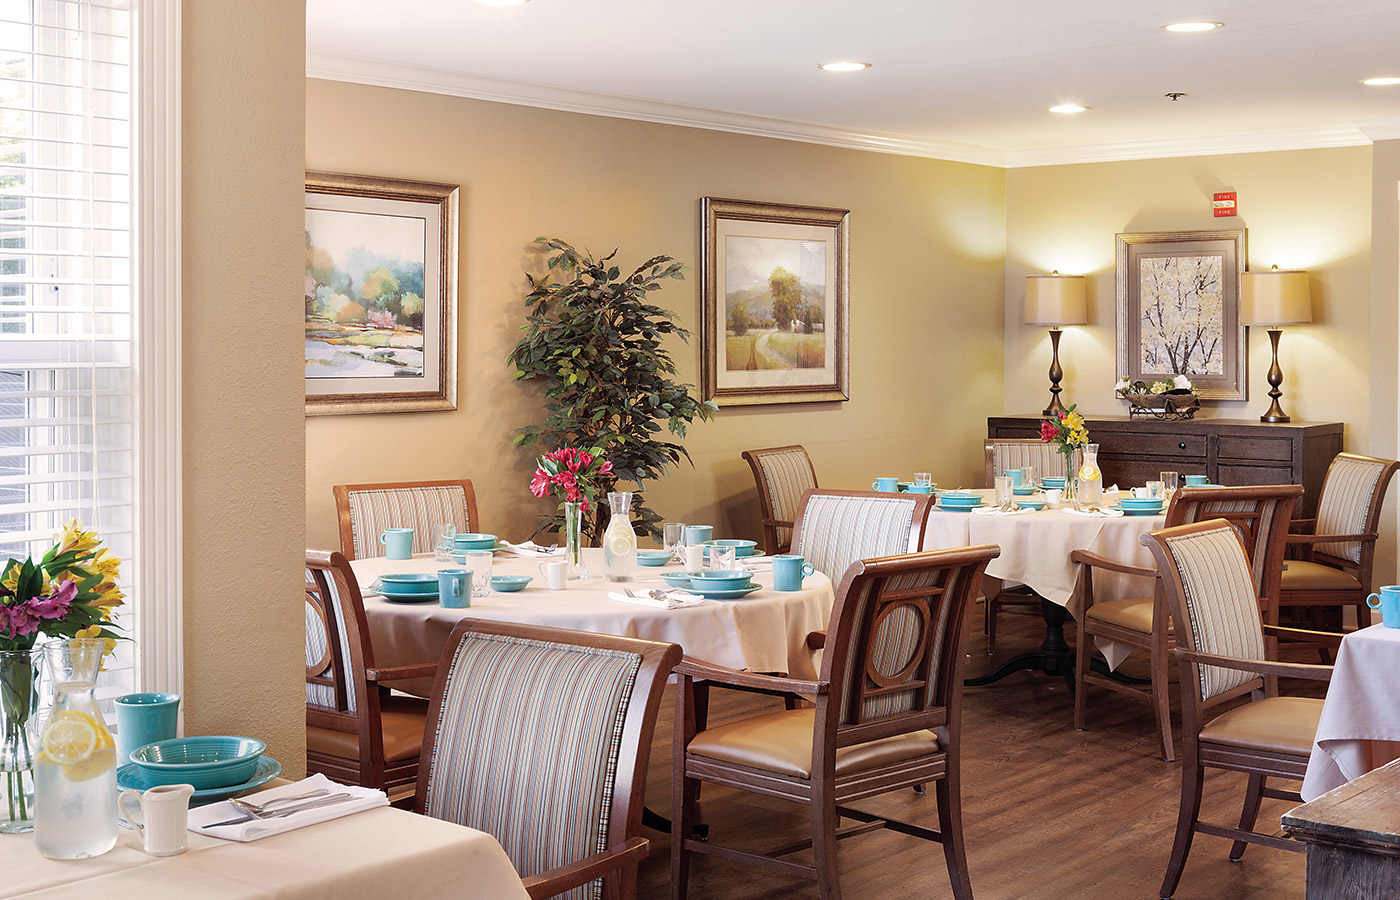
x=1068 y=433
x=574 y=477
x=1173 y=398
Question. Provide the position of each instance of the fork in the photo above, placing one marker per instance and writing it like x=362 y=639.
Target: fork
x=256 y=808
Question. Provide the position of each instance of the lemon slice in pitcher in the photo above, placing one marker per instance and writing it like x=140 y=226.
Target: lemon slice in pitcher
x=1088 y=473
x=620 y=545
x=71 y=738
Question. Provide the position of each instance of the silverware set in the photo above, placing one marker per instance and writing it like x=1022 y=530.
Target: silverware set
x=282 y=806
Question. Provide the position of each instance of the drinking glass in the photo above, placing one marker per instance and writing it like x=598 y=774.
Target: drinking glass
x=444 y=540
x=1028 y=478
x=1155 y=489
x=1003 y=486
x=722 y=558
x=672 y=538
x=479 y=561
x=923 y=478
x=1170 y=481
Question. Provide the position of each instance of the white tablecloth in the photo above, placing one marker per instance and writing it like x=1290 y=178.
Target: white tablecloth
x=1360 y=726
x=380 y=853
x=763 y=632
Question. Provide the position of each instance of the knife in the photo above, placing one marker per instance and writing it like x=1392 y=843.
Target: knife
x=300 y=807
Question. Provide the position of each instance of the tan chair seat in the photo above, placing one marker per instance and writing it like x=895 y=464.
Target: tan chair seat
x=782 y=742
x=1274 y=724
x=1130 y=612
x=404 y=719
x=1301 y=575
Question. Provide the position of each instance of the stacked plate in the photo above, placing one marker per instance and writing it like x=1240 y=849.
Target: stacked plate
x=1141 y=506
x=414 y=587
x=216 y=765
x=741 y=548
x=474 y=541
x=956 y=501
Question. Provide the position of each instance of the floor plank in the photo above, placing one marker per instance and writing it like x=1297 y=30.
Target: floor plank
x=1049 y=812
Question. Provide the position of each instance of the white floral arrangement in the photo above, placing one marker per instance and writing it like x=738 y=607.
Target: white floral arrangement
x=1125 y=388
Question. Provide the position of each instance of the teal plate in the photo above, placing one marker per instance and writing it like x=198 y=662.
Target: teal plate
x=960 y=507
x=409 y=597
x=716 y=594
x=130 y=777
x=1022 y=490
x=1129 y=511
x=679 y=580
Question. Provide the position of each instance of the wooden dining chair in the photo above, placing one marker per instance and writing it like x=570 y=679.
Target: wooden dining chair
x=1337 y=549
x=885 y=715
x=364 y=511
x=1209 y=586
x=783 y=475
x=356 y=732
x=1259 y=514
x=540 y=737
x=835 y=528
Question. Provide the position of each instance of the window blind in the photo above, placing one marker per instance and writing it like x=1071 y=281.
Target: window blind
x=66 y=300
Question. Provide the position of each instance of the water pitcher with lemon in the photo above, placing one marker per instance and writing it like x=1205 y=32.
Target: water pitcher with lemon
x=1090 y=477
x=620 y=541
x=75 y=771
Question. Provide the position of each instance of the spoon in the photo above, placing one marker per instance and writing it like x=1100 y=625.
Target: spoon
x=260 y=807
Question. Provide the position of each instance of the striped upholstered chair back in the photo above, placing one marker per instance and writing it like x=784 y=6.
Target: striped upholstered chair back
x=335 y=625
x=1210 y=588
x=894 y=647
x=1260 y=516
x=1015 y=453
x=540 y=737
x=366 y=510
x=783 y=475
x=1350 y=503
x=836 y=528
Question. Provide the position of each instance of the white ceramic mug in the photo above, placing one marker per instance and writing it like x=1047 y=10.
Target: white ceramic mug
x=1054 y=497
x=555 y=574
x=162 y=820
x=694 y=556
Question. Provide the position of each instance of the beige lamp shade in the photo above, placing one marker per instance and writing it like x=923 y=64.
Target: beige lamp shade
x=1055 y=300
x=1275 y=297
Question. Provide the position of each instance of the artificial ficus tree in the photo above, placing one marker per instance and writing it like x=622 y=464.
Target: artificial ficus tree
x=594 y=340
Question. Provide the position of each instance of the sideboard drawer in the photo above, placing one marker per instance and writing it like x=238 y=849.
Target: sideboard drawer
x=1254 y=448
x=1168 y=446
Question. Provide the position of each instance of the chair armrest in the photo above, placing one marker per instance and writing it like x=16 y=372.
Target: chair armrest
x=565 y=878
x=400 y=673
x=722 y=675
x=780 y=523
x=1257 y=666
x=1325 y=638
x=1329 y=538
x=816 y=640
x=1302 y=526
x=1094 y=561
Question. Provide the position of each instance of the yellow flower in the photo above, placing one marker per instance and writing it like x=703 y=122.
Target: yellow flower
x=75 y=539
x=1075 y=421
x=10 y=580
x=109 y=594
x=105 y=563
x=89 y=632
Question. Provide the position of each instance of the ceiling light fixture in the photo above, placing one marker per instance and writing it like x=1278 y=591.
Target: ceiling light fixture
x=1380 y=82
x=1192 y=27
x=1068 y=108
x=843 y=66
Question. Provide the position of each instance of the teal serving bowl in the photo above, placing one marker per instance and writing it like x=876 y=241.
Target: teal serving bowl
x=1053 y=481
x=413 y=583
x=741 y=548
x=206 y=761
x=677 y=579
x=653 y=557
x=1142 y=503
x=1031 y=503
x=474 y=541
x=724 y=581
x=1023 y=490
x=509 y=584
x=953 y=498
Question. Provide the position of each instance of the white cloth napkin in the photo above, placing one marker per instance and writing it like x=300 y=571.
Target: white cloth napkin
x=674 y=600
x=998 y=511
x=531 y=549
x=1101 y=514
x=362 y=799
x=753 y=565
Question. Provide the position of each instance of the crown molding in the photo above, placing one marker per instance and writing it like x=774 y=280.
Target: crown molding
x=335 y=67
x=1205 y=145
x=1380 y=129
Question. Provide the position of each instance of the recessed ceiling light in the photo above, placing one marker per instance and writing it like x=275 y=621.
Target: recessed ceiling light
x=502 y=2
x=1379 y=82
x=843 y=66
x=1068 y=108
x=1188 y=27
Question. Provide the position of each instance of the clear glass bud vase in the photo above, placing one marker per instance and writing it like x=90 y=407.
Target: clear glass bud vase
x=573 y=540
x=19 y=702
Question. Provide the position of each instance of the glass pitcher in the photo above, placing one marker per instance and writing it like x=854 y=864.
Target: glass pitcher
x=620 y=541
x=75 y=771
x=1090 y=478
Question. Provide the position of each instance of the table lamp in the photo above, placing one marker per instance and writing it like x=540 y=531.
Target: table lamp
x=1275 y=298
x=1055 y=300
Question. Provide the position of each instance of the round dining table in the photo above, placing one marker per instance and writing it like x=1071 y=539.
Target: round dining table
x=765 y=631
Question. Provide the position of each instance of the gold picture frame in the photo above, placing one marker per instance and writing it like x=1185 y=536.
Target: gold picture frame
x=381 y=295
x=775 y=303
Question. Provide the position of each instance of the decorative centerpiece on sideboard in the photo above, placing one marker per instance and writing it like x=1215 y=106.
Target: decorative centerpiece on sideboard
x=1175 y=399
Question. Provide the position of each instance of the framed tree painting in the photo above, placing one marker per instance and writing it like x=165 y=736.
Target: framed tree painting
x=1179 y=310
x=774 y=303
x=381 y=295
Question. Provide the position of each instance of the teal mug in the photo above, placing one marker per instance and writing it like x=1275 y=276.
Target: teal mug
x=1017 y=476
x=921 y=489
x=398 y=543
x=1197 y=480
x=788 y=572
x=1387 y=601
x=144 y=719
x=888 y=485
x=698 y=534
x=454 y=588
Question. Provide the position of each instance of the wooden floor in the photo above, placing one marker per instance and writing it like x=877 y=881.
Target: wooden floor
x=1050 y=813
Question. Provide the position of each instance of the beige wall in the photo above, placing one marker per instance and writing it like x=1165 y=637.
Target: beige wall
x=1385 y=331
x=244 y=64
x=926 y=294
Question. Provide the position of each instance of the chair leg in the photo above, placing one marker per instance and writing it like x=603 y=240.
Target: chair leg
x=990 y=625
x=1082 y=658
x=1249 y=814
x=683 y=816
x=1192 y=781
x=1161 y=699
x=949 y=792
x=823 y=809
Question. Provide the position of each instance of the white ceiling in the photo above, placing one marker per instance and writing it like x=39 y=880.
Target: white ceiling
x=955 y=80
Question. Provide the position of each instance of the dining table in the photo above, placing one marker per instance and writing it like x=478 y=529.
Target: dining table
x=1359 y=729
x=383 y=852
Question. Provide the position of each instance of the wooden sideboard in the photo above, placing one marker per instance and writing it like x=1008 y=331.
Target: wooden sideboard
x=1353 y=837
x=1231 y=451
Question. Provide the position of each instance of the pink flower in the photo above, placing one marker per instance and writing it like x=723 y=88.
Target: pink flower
x=18 y=621
x=1048 y=432
x=539 y=485
x=569 y=482
x=605 y=468
x=55 y=605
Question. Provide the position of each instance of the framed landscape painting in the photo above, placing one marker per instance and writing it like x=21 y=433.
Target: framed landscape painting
x=1179 y=310
x=775 y=305
x=381 y=295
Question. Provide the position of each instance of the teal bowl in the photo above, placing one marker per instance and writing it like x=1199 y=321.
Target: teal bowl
x=413 y=583
x=653 y=558
x=207 y=761
x=952 y=498
x=1031 y=503
x=724 y=581
x=1141 y=502
x=509 y=584
x=1053 y=481
x=474 y=541
x=741 y=548
x=677 y=579
x=1023 y=490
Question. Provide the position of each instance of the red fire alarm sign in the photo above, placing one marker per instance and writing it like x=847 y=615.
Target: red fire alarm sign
x=1224 y=204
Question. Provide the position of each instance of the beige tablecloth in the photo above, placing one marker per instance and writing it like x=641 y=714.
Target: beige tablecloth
x=1360 y=726
x=371 y=855
x=763 y=632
